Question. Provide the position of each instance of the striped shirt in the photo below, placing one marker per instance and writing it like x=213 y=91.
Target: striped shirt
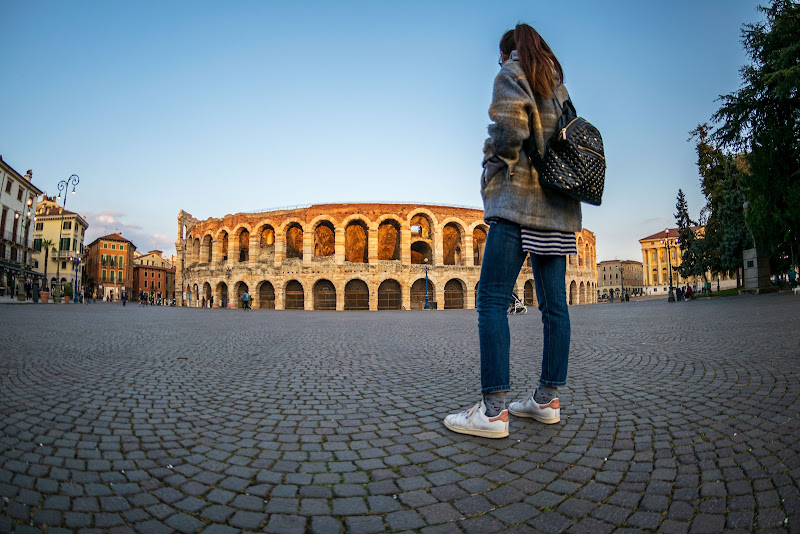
x=548 y=242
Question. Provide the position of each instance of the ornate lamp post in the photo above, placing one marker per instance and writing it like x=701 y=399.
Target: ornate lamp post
x=671 y=297
x=622 y=279
x=63 y=185
x=22 y=263
x=75 y=292
x=427 y=303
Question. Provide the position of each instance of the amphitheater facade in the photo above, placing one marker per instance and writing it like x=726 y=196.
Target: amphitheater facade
x=351 y=257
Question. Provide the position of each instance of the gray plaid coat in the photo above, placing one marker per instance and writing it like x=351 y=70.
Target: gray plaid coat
x=509 y=185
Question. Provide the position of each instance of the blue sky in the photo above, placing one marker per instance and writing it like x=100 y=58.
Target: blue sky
x=222 y=107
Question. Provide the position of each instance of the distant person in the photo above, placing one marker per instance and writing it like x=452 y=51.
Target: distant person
x=689 y=292
x=124 y=297
x=204 y=303
x=210 y=301
x=246 y=300
x=525 y=220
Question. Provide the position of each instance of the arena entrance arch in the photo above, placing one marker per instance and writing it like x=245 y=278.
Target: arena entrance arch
x=356 y=246
x=421 y=253
x=389 y=295
x=389 y=240
x=294 y=241
x=418 y=294
x=529 y=294
x=207 y=293
x=295 y=297
x=324 y=295
x=478 y=244
x=207 y=248
x=266 y=296
x=454 y=295
x=356 y=295
x=222 y=290
x=241 y=287
x=573 y=293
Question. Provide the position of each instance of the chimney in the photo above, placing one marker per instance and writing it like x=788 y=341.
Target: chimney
x=29 y=175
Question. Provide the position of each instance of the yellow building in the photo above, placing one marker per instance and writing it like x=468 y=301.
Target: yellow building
x=64 y=229
x=661 y=255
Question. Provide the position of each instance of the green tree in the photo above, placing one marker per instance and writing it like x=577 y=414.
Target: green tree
x=762 y=119
x=694 y=258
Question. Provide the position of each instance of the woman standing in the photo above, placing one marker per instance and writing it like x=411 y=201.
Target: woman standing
x=524 y=219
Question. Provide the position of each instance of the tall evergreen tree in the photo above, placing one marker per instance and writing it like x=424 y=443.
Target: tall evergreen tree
x=763 y=120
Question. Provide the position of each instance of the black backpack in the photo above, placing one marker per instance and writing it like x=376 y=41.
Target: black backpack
x=574 y=162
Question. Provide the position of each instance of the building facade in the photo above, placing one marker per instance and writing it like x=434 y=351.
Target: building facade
x=109 y=266
x=351 y=257
x=63 y=231
x=619 y=277
x=661 y=255
x=18 y=198
x=153 y=274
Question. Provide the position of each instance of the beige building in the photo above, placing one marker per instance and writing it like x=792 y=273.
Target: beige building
x=18 y=197
x=65 y=230
x=661 y=255
x=351 y=257
x=619 y=277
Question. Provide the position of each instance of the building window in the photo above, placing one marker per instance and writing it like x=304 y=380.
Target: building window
x=67 y=225
x=159 y=275
x=121 y=247
x=63 y=264
x=119 y=276
x=8 y=186
x=159 y=285
x=19 y=194
x=113 y=246
x=105 y=245
x=37 y=244
x=104 y=275
x=36 y=264
x=39 y=227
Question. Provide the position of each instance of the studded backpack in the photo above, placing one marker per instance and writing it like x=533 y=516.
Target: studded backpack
x=574 y=162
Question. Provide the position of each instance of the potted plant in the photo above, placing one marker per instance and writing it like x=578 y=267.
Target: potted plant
x=44 y=293
x=67 y=293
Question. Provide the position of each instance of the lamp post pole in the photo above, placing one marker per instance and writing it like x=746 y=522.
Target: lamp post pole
x=63 y=185
x=75 y=291
x=622 y=279
x=22 y=264
x=671 y=297
x=427 y=303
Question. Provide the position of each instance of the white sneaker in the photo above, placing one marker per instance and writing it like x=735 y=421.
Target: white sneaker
x=544 y=413
x=475 y=422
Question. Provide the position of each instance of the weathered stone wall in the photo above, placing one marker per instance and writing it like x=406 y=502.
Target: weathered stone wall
x=350 y=256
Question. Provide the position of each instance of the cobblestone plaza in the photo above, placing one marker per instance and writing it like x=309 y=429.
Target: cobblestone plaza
x=678 y=417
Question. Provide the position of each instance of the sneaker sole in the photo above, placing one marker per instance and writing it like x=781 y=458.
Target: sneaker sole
x=477 y=432
x=545 y=420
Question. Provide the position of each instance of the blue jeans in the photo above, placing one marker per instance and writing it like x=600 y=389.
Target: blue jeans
x=502 y=260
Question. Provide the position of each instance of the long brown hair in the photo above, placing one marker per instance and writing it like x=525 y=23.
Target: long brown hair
x=539 y=63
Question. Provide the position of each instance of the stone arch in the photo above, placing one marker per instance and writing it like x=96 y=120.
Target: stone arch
x=242 y=245
x=529 y=294
x=266 y=295
x=324 y=238
x=418 y=293
x=390 y=295
x=265 y=250
x=239 y=289
x=453 y=243
x=222 y=245
x=389 y=238
x=582 y=293
x=295 y=296
x=206 y=246
x=222 y=294
x=454 y=291
x=422 y=226
x=356 y=295
x=294 y=240
x=573 y=293
x=479 y=234
x=324 y=295
x=196 y=250
x=207 y=293
x=356 y=241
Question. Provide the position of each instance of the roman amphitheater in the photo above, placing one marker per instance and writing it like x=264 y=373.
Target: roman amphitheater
x=351 y=257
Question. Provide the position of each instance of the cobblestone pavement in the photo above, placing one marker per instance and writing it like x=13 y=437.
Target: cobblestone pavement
x=677 y=417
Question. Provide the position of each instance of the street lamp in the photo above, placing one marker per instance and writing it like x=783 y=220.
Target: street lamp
x=21 y=280
x=75 y=292
x=671 y=297
x=63 y=185
x=622 y=279
x=427 y=304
